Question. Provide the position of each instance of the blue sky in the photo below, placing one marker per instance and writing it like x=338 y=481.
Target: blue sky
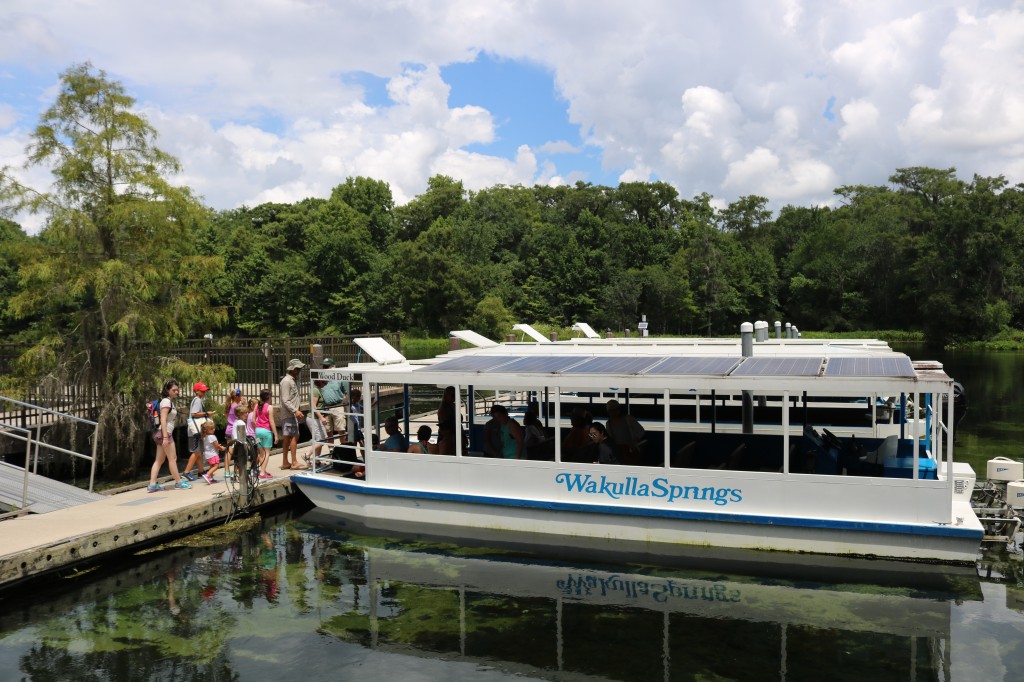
x=527 y=109
x=787 y=99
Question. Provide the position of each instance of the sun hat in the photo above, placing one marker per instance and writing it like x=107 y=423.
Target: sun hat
x=295 y=363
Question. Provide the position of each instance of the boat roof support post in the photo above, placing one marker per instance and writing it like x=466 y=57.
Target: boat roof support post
x=667 y=437
x=558 y=424
x=375 y=405
x=949 y=451
x=903 y=415
x=917 y=431
x=873 y=402
x=458 y=421
x=785 y=432
x=928 y=422
x=405 y=409
x=369 y=419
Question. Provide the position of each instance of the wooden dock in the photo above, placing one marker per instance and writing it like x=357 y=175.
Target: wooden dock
x=36 y=544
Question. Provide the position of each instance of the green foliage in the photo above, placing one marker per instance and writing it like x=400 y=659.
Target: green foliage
x=491 y=318
x=419 y=348
x=115 y=265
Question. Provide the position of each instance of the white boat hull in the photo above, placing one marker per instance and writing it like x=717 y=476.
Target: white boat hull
x=651 y=526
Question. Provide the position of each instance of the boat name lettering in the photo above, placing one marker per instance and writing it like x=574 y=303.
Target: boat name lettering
x=661 y=591
x=658 y=488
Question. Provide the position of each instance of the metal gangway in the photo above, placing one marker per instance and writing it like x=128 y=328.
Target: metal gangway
x=22 y=488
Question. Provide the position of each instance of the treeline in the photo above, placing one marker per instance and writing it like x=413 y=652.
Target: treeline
x=929 y=252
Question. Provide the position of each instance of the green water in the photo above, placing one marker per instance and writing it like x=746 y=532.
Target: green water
x=301 y=596
x=994 y=381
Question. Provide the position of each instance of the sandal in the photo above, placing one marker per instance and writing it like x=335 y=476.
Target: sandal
x=296 y=467
x=286 y=466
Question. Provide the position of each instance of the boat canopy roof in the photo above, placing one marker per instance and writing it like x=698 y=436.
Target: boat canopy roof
x=820 y=367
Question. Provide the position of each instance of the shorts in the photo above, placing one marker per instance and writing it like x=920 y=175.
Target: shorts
x=158 y=438
x=195 y=442
x=265 y=438
x=336 y=418
x=213 y=461
x=290 y=426
x=316 y=428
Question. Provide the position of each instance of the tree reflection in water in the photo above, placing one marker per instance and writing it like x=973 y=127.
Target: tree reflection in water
x=292 y=598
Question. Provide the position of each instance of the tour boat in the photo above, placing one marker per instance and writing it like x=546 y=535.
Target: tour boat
x=773 y=444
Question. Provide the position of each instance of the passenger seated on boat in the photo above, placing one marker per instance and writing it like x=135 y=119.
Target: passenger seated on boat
x=503 y=436
x=539 y=444
x=396 y=441
x=605 y=453
x=423 y=446
x=577 y=446
x=625 y=432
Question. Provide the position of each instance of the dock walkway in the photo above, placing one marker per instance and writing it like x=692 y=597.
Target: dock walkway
x=36 y=544
x=44 y=494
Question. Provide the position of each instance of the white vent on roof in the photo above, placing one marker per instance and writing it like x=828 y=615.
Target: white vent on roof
x=587 y=330
x=530 y=331
x=382 y=352
x=471 y=337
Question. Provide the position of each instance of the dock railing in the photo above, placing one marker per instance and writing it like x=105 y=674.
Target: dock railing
x=24 y=434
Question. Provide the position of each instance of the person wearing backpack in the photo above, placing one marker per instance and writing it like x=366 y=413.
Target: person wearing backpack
x=163 y=437
x=197 y=416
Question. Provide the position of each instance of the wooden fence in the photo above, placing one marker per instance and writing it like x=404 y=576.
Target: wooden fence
x=258 y=363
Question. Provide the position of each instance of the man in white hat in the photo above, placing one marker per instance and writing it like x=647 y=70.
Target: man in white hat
x=290 y=415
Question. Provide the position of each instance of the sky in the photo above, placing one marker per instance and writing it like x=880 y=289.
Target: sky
x=279 y=100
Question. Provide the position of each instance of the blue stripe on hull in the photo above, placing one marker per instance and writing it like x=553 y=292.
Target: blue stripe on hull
x=866 y=526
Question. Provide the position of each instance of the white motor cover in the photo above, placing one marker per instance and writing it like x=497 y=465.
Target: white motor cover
x=1015 y=494
x=1005 y=469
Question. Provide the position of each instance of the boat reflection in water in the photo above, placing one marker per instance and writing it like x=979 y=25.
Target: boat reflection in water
x=319 y=598
x=547 y=618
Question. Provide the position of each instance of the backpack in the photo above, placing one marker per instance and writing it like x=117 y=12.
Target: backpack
x=153 y=407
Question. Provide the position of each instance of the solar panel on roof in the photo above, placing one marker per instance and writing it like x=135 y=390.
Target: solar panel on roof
x=614 y=365
x=870 y=367
x=778 y=367
x=541 y=364
x=693 y=366
x=472 y=363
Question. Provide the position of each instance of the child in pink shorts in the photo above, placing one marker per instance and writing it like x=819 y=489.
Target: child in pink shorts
x=211 y=451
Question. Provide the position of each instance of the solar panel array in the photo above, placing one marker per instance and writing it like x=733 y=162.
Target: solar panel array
x=779 y=367
x=652 y=365
x=870 y=367
x=694 y=366
x=471 y=363
x=542 y=364
x=614 y=365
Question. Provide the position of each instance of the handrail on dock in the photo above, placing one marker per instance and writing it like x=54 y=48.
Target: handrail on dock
x=34 y=462
x=5 y=429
